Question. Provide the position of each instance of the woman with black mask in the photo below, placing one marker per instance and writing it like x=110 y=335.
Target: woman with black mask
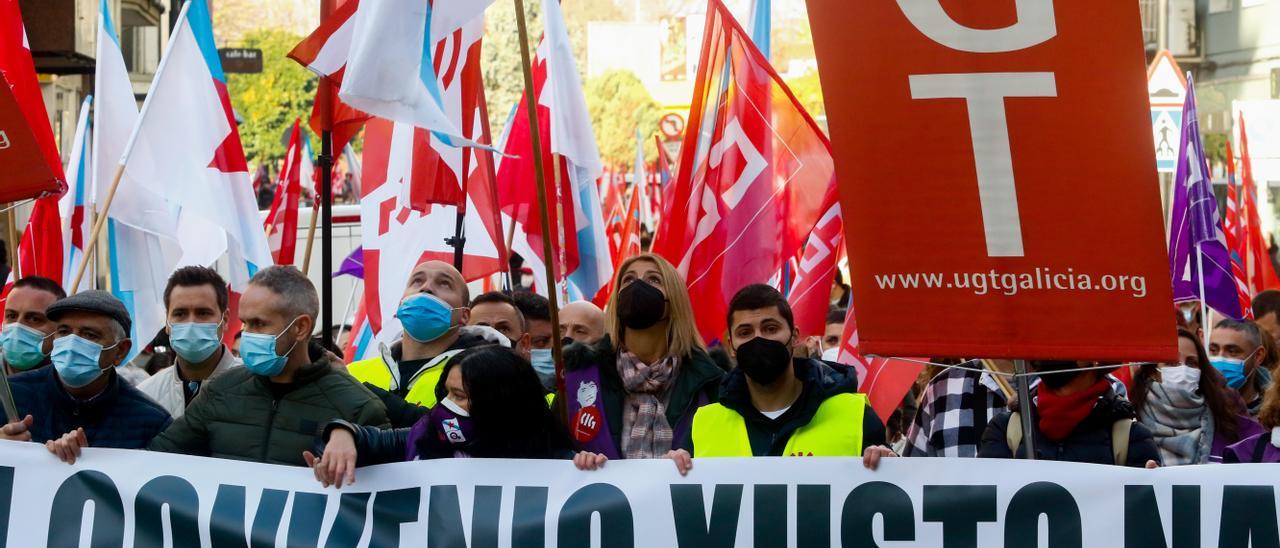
x=493 y=408
x=634 y=393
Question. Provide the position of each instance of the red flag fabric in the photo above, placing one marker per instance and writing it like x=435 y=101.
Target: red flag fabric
x=282 y=221
x=630 y=236
x=40 y=253
x=1256 y=255
x=815 y=270
x=753 y=175
x=517 y=187
x=324 y=52
x=885 y=381
x=27 y=149
x=1231 y=227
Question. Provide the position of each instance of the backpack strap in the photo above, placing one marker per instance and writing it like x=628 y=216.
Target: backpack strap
x=1120 y=440
x=1260 y=448
x=1013 y=433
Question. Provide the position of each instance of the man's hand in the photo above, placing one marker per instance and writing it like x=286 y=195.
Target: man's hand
x=872 y=455
x=683 y=460
x=589 y=461
x=17 y=431
x=67 y=448
x=338 y=464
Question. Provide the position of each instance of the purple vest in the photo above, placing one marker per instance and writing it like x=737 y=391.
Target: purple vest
x=588 y=425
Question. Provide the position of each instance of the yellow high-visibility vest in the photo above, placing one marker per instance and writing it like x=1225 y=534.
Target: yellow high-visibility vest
x=834 y=431
x=422 y=386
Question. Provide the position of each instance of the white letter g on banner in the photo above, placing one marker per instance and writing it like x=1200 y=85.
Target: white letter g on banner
x=1035 y=25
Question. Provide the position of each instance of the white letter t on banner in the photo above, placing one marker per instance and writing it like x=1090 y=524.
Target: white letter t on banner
x=984 y=94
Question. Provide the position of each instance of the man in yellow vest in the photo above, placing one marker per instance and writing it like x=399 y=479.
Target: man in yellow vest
x=432 y=311
x=774 y=404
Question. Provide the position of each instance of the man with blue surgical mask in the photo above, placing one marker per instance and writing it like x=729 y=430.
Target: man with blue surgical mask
x=195 y=300
x=272 y=409
x=82 y=398
x=433 y=313
x=1236 y=351
x=26 y=333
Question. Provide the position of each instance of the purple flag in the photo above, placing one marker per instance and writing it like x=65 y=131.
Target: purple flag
x=1197 y=227
x=353 y=265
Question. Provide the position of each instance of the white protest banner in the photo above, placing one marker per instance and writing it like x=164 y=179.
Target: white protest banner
x=151 y=499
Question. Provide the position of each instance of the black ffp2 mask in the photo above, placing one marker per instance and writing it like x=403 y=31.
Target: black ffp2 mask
x=763 y=360
x=641 y=305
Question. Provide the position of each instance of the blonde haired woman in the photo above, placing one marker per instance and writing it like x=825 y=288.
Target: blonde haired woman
x=633 y=394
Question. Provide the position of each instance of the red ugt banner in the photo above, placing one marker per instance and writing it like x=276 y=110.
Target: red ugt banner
x=995 y=172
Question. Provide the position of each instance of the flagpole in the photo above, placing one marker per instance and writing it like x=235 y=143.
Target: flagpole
x=311 y=239
x=1204 y=306
x=13 y=243
x=531 y=105
x=325 y=95
x=561 y=257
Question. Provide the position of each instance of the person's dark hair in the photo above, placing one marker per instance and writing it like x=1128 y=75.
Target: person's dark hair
x=193 y=276
x=756 y=297
x=1213 y=386
x=1247 y=327
x=502 y=297
x=1267 y=302
x=532 y=306
x=43 y=284
x=837 y=315
x=508 y=408
x=298 y=294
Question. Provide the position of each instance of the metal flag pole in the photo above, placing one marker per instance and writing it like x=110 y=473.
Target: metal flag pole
x=325 y=95
x=1024 y=408
x=531 y=105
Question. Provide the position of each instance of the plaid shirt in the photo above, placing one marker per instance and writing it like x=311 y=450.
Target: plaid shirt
x=957 y=405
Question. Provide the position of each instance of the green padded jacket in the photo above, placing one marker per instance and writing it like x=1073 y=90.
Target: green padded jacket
x=238 y=416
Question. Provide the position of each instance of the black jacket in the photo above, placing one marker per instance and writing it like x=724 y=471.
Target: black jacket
x=698 y=375
x=1090 y=442
x=821 y=380
x=401 y=413
x=120 y=417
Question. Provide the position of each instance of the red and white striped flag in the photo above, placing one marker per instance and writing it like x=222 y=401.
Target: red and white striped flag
x=1253 y=249
x=885 y=381
x=281 y=223
x=1232 y=225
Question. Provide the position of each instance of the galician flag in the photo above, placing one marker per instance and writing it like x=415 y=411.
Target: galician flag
x=74 y=206
x=1196 y=237
x=188 y=152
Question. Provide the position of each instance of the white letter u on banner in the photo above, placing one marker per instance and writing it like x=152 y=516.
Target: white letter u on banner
x=1035 y=25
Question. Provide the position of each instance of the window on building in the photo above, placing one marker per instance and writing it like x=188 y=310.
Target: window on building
x=139 y=41
x=1150 y=18
x=1220 y=6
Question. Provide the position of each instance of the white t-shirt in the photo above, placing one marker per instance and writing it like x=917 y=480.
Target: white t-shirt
x=773 y=415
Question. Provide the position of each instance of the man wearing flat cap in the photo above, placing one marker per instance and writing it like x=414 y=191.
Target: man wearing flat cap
x=82 y=396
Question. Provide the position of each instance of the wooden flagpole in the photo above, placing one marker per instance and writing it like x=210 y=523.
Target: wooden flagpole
x=531 y=105
x=311 y=239
x=14 y=243
x=102 y=216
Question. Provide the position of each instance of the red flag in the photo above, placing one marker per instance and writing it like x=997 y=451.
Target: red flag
x=324 y=52
x=40 y=253
x=517 y=188
x=24 y=125
x=630 y=236
x=1231 y=226
x=885 y=381
x=753 y=175
x=1256 y=255
x=282 y=221
x=815 y=270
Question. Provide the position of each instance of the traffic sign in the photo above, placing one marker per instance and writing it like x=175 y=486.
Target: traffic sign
x=1167 y=90
x=672 y=125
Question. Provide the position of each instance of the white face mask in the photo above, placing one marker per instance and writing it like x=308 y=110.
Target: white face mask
x=1181 y=378
x=453 y=406
x=831 y=354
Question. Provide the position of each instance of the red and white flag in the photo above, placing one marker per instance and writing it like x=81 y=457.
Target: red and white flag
x=1232 y=225
x=815 y=270
x=281 y=223
x=885 y=381
x=753 y=175
x=1252 y=248
x=324 y=52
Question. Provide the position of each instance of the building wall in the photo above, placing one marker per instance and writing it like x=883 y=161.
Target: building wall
x=1241 y=48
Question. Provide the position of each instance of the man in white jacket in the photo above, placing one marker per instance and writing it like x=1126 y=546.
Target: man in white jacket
x=196 y=303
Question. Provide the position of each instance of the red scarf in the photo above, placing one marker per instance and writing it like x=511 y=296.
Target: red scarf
x=1059 y=415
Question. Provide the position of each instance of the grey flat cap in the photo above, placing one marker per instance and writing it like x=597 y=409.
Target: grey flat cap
x=93 y=301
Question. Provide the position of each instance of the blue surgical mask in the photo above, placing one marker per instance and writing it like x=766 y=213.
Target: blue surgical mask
x=195 y=342
x=23 y=346
x=1232 y=369
x=77 y=360
x=425 y=317
x=258 y=350
x=542 y=362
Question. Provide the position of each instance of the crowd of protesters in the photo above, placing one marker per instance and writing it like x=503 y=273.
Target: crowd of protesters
x=474 y=376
